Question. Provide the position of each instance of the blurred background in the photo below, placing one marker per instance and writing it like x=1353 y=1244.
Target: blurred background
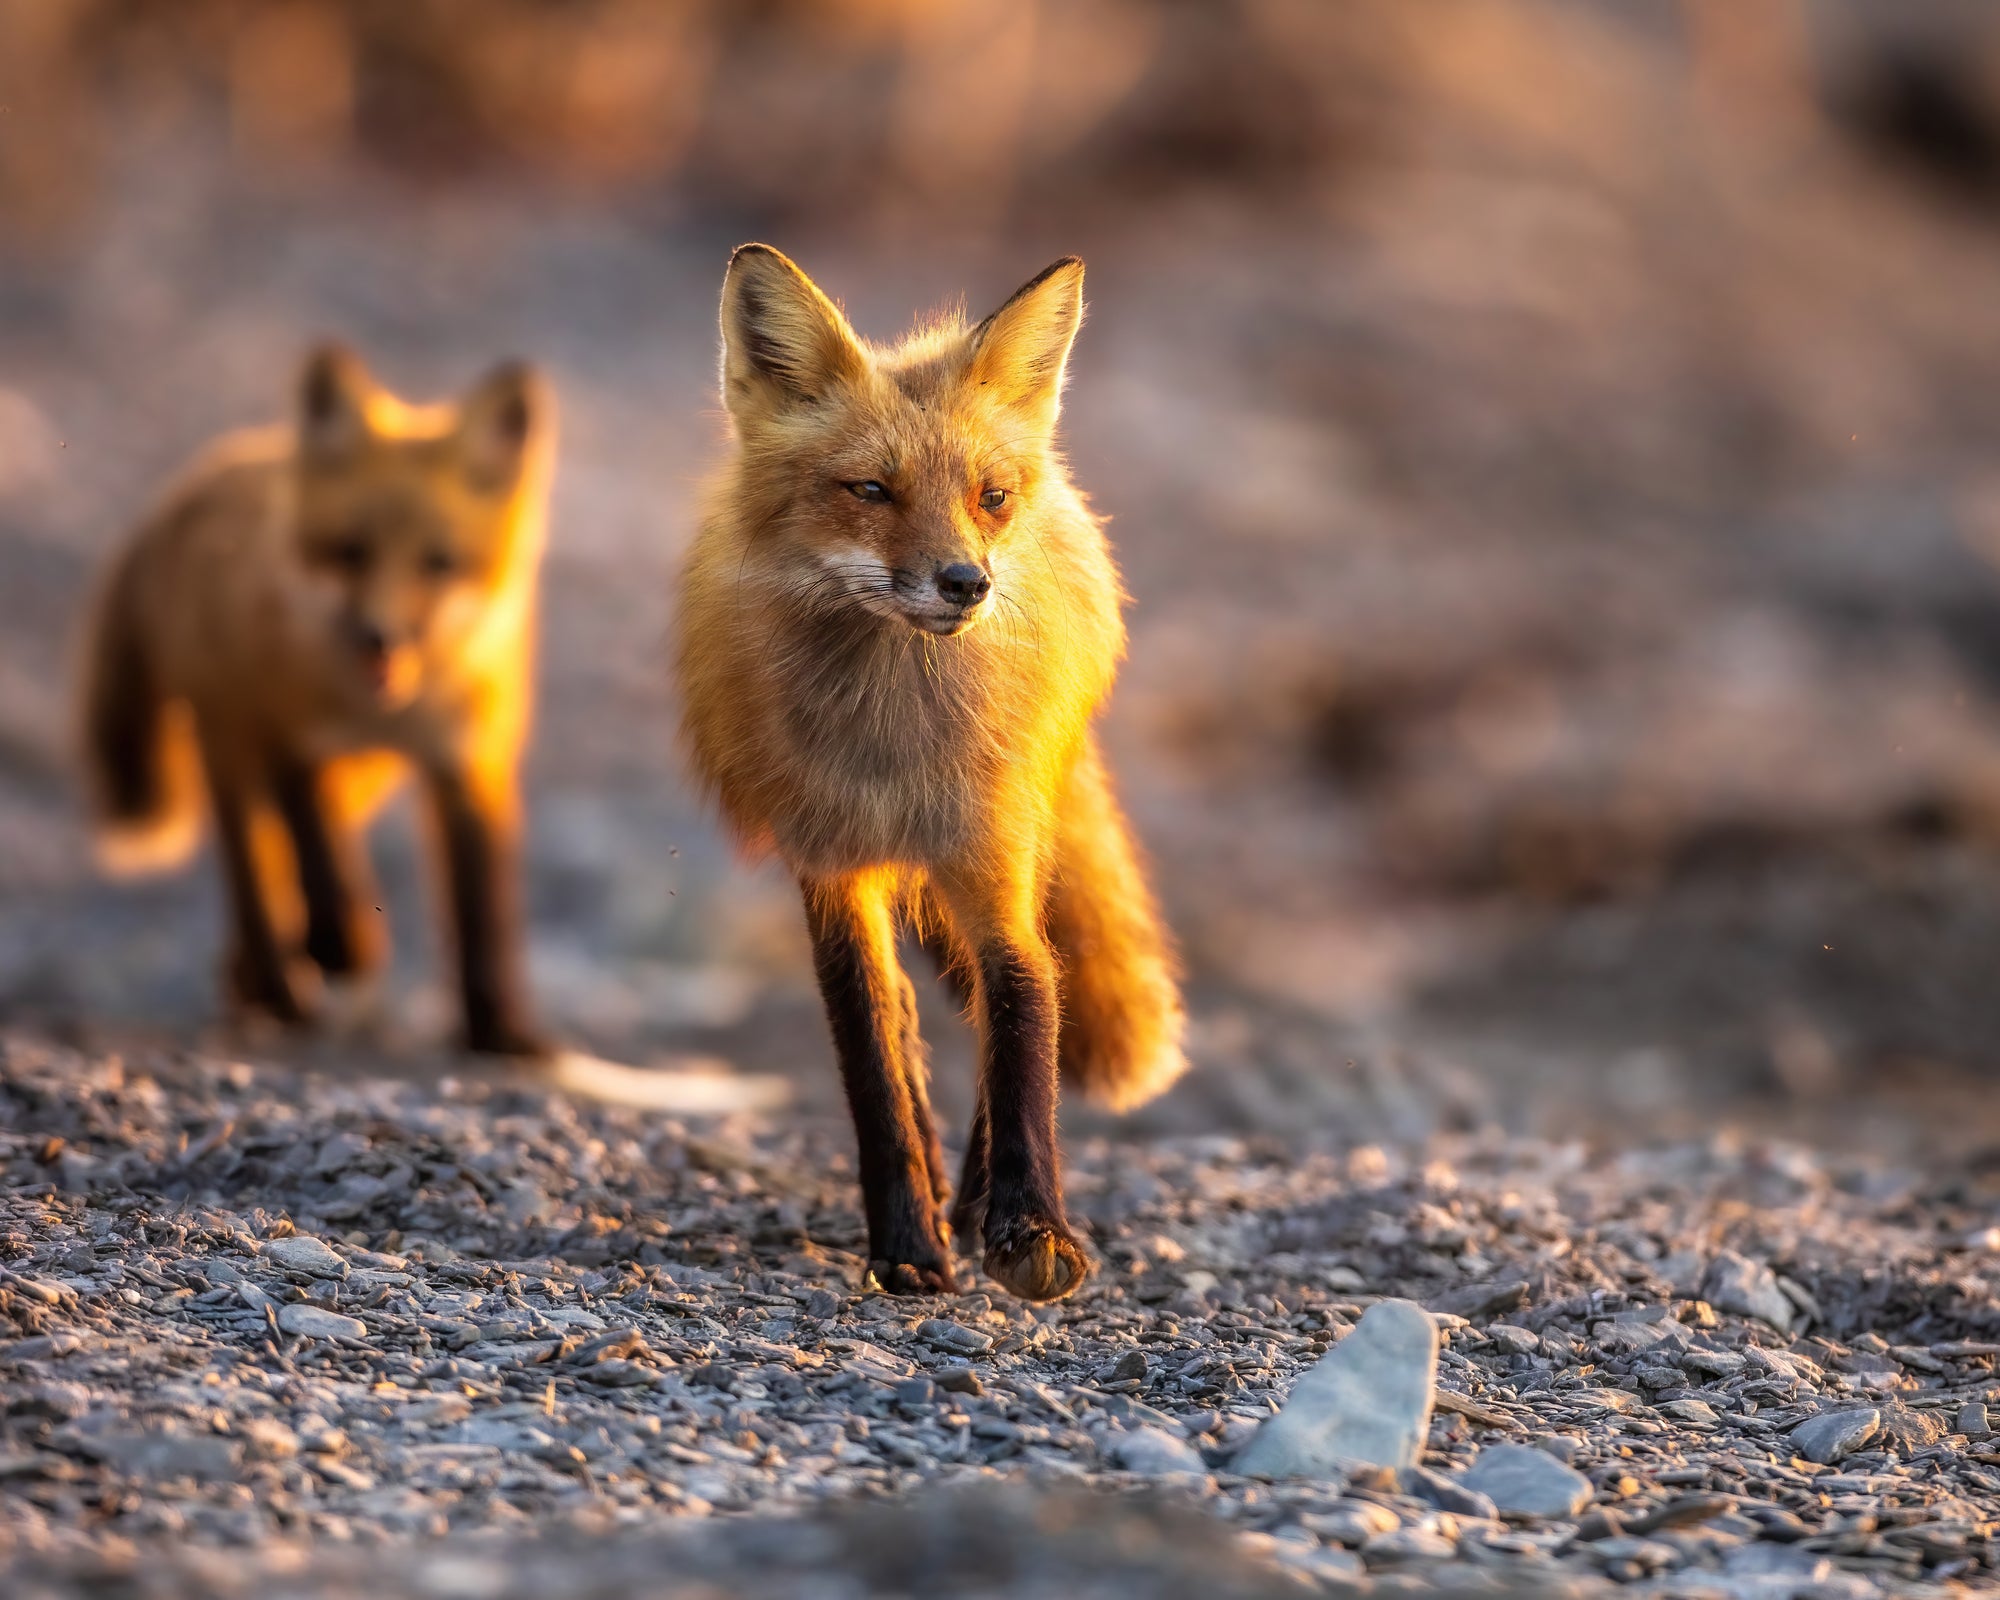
x=1551 y=447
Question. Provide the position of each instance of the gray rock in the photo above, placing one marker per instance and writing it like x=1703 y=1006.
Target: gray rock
x=1352 y=1522
x=1157 y=1454
x=302 y=1253
x=1833 y=1434
x=314 y=1323
x=954 y=1337
x=1749 y=1288
x=1368 y=1400
x=204 y=1457
x=1435 y=1489
x=1972 y=1420
x=1522 y=1481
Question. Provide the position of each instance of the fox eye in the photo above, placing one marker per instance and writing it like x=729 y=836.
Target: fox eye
x=440 y=563
x=870 y=491
x=343 y=555
x=993 y=499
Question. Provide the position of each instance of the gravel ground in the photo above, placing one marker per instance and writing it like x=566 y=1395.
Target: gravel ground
x=251 y=1306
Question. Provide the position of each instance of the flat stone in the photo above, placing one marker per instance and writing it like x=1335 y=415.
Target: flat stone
x=1973 y=1421
x=303 y=1253
x=1748 y=1288
x=1447 y=1494
x=1352 y=1522
x=1157 y=1454
x=1831 y=1435
x=1522 y=1481
x=1367 y=1400
x=206 y=1457
x=952 y=1336
x=314 y=1323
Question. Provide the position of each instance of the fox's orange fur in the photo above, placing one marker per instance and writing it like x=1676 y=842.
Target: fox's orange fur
x=310 y=611
x=897 y=625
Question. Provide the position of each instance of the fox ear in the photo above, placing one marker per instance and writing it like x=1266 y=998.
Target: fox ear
x=333 y=403
x=1022 y=350
x=784 y=344
x=504 y=417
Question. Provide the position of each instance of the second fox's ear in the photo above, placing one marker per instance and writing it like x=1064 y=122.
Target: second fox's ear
x=1020 y=353
x=333 y=403
x=784 y=344
x=500 y=423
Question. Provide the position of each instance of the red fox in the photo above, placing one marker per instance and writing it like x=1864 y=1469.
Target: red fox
x=308 y=613
x=897 y=623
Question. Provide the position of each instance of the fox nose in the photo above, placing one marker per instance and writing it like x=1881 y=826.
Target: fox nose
x=370 y=641
x=963 y=584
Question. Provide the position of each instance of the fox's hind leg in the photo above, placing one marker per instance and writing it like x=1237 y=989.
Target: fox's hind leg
x=478 y=825
x=344 y=931
x=914 y=1064
x=871 y=1010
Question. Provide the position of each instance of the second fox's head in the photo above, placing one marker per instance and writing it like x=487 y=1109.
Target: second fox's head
x=909 y=477
x=415 y=522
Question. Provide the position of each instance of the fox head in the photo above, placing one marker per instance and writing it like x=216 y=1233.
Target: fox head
x=414 y=522
x=902 y=481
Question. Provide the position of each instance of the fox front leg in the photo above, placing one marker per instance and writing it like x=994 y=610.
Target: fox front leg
x=854 y=957
x=1029 y=1249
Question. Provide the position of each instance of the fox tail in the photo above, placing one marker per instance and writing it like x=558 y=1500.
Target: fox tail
x=1120 y=1039
x=138 y=752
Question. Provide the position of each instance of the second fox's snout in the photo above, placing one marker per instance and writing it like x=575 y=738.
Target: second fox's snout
x=963 y=583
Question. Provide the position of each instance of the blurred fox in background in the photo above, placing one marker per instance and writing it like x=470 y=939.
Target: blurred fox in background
x=308 y=613
x=897 y=623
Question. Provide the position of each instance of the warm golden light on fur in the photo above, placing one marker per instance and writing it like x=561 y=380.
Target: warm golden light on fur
x=897 y=625
x=308 y=613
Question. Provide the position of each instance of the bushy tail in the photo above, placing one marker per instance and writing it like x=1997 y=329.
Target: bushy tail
x=1121 y=1002
x=138 y=757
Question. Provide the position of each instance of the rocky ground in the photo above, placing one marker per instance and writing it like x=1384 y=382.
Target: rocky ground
x=254 y=1312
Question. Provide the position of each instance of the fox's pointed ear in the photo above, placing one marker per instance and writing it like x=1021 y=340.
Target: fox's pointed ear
x=333 y=403
x=503 y=420
x=784 y=344
x=1021 y=351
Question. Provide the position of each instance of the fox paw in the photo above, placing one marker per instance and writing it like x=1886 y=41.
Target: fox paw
x=504 y=1039
x=272 y=989
x=1034 y=1258
x=906 y=1277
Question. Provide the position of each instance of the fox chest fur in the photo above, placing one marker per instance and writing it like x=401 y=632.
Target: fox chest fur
x=845 y=741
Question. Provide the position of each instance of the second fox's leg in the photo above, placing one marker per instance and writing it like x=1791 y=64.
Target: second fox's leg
x=1029 y=1247
x=344 y=934
x=854 y=955
x=259 y=966
x=477 y=827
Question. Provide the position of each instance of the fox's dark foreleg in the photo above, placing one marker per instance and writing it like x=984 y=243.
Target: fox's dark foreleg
x=344 y=932
x=1029 y=1248
x=870 y=1009
x=478 y=829
x=259 y=968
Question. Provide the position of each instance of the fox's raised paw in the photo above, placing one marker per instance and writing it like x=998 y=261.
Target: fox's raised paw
x=1034 y=1258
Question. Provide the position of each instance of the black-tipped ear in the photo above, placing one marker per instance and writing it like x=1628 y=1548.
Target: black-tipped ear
x=1021 y=352
x=333 y=403
x=784 y=344
x=502 y=419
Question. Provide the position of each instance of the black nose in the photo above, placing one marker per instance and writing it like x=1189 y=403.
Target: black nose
x=963 y=584
x=370 y=641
